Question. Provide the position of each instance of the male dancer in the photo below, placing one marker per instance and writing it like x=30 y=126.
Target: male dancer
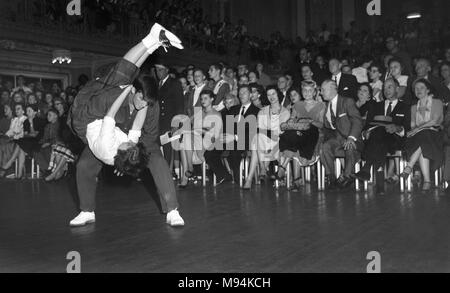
x=94 y=101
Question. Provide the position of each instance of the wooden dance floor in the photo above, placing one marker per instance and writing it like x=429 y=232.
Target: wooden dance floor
x=227 y=230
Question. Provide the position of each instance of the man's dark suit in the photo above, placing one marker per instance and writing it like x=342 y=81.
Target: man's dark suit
x=244 y=134
x=380 y=142
x=348 y=123
x=171 y=103
x=348 y=86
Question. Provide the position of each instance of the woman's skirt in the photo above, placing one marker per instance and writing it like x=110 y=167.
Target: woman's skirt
x=29 y=145
x=303 y=143
x=432 y=145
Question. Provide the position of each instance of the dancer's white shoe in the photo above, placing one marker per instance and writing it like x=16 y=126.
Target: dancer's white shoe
x=82 y=219
x=174 y=219
x=159 y=36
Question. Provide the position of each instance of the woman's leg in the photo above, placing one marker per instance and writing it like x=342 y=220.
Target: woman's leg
x=21 y=160
x=13 y=158
x=415 y=157
x=184 y=163
x=425 y=168
x=189 y=158
x=251 y=173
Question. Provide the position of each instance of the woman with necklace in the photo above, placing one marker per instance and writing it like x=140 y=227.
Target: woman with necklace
x=424 y=143
x=206 y=129
x=265 y=146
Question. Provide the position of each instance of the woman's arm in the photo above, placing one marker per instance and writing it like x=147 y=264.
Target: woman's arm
x=118 y=102
x=413 y=116
x=437 y=115
x=139 y=120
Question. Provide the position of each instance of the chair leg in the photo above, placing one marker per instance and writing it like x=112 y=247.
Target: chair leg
x=277 y=183
x=357 y=169
x=338 y=168
x=308 y=174
x=32 y=168
x=288 y=175
x=204 y=174
x=241 y=166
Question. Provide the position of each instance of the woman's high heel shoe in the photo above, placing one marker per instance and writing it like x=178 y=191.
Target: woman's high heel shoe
x=406 y=172
x=3 y=172
x=426 y=186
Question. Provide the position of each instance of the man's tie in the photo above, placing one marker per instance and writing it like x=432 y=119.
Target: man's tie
x=160 y=84
x=335 y=79
x=241 y=114
x=333 y=116
x=389 y=109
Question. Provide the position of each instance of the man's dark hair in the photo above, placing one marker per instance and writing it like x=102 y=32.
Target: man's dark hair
x=217 y=66
x=131 y=161
x=377 y=66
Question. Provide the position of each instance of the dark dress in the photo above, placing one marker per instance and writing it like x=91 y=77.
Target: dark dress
x=304 y=142
x=430 y=141
x=31 y=144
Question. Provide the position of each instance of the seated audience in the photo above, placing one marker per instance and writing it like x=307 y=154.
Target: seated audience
x=342 y=132
x=385 y=132
x=206 y=128
x=346 y=83
x=265 y=146
x=301 y=132
x=424 y=143
x=14 y=133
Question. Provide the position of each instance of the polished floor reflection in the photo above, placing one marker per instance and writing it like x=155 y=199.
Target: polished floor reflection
x=228 y=230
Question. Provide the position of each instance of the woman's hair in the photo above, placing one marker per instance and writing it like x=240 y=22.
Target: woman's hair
x=295 y=89
x=131 y=161
x=255 y=72
x=147 y=87
x=426 y=83
x=60 y=100
x=394 y=59
x=209 y=93
x=34 y=107
x=366 y=84
x=309 y=83
x=53 y=110
x=275 y=88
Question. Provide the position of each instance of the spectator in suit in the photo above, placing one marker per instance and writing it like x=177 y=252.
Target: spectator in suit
x=240 y=128
x=347 y=83
x=342 y=132
x=170 y=99
x=283 y=87
x=193 y=100
x=391 y=130
x=219 y=86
